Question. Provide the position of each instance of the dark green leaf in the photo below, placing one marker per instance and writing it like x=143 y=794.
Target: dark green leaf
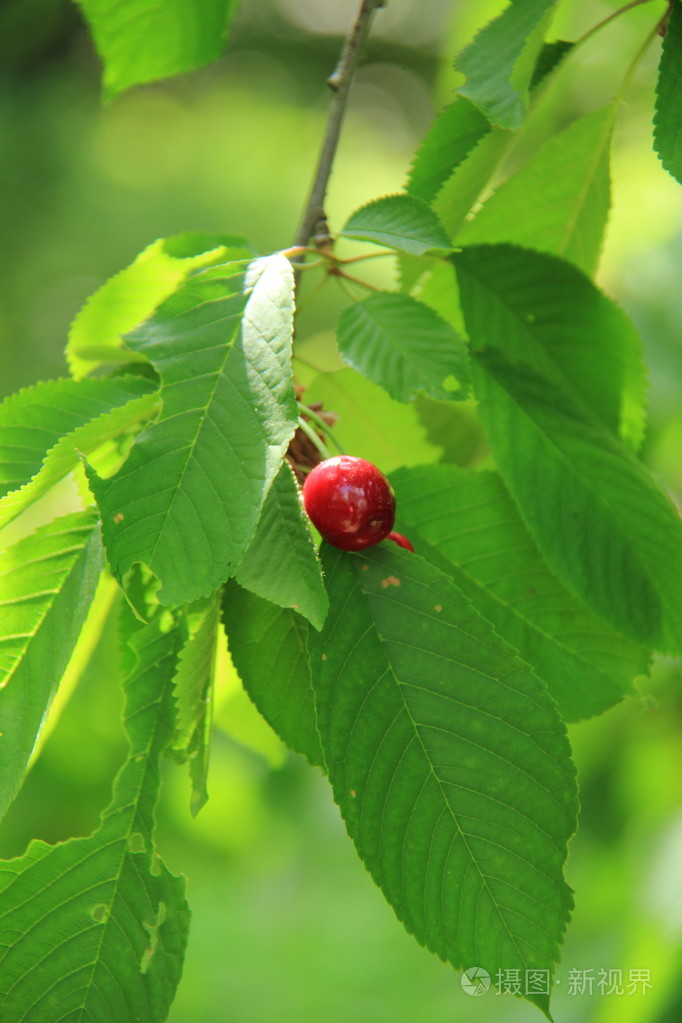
x=268 y=649
x=558 y=201
x=598 y=518
x=399 y=222
x=543 y=312
x=668 y=118
x=281 y=563
x=187 y=500
x=404 y=346
x=47 y=581
x=449 y=762
x=142 y=42
x=466 y=523
x=96 y=928
x=455 y=131
x=501 y=61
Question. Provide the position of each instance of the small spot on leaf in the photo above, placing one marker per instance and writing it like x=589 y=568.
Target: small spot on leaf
x=390 y=581
x=100 y=912
x=119 y=517
x=136 y=843
x=438 y=607
x=324 y=657
x=353 y=793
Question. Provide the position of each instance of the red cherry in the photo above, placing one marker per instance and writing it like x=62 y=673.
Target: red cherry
x=401 y=540
x=350 y=502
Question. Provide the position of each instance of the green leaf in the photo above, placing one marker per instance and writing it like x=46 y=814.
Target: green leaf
x=44 y=429
x=455 y=131
x=466 y=523
x=405 y=347
x=462 y=190
x=668 y=117
x=187 y=500
x=141 y=42
x=543 y=312
x=500 y=62
x=193 y=692
x=399 y=222
x=96 y=928
x=558 y=201
x=268 y=648
x=598 y=518
x=132 y=295
x=47 y=581
x=371 y=424
x=448 y=760
x=281 y=563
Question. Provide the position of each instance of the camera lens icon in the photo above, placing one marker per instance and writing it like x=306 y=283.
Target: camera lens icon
x=475 y=981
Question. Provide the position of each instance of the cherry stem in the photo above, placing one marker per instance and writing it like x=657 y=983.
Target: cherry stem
x=312 y=436
x=319 y=421
x=609 y=19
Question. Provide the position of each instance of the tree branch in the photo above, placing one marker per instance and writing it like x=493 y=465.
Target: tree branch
x=339 y=83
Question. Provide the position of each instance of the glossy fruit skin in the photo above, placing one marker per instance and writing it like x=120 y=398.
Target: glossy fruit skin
x=401 y=540
x=350 y=502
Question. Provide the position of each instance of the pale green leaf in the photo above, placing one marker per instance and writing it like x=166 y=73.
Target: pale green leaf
x=558 y=201
x=597 y=516
x=404 y=346
x=47 y=581
x=399 y=222
x=371 y=424
x=187 y=500
x=141 y=42
x=193 y=693
x=466 y=523
x=44 y=429
x=668 y=118
x=545 y=313
x=281 y=563
x=500 y=62
x=96 y=928
x=97 y=333
x=449 y=762
x=268 y=648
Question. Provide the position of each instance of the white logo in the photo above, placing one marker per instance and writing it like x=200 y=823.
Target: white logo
x=475 y=981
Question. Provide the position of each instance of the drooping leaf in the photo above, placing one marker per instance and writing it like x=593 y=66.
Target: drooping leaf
x=47 y=581
x=466 y=523
x=500 y=62
x=558 y=201
x=96 y=928
x=281 y=563
x=404 y=346
x=187 y=500
x=44 y=429
x=449 y=762
x=141 y=42
x=597 y=516
x=455 y=131
x=193 y=691
x=400 y=222
x=543 y=312
x=97 y=334
x=668 y=118
x=268 y=648
x=371 y=424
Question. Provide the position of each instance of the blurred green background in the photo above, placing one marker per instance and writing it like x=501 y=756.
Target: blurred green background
x=287 y=926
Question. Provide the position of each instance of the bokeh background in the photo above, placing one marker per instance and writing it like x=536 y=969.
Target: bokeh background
x=287 y=925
